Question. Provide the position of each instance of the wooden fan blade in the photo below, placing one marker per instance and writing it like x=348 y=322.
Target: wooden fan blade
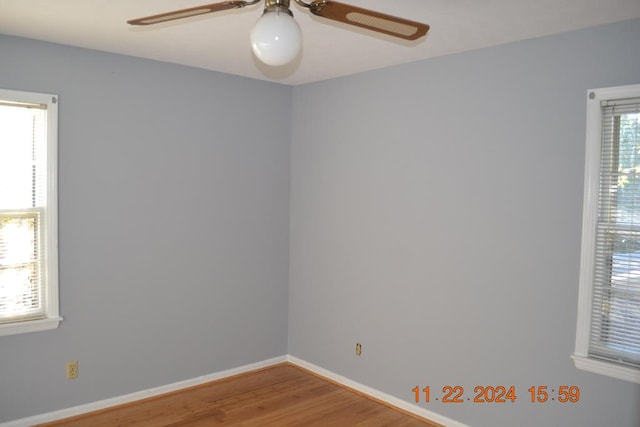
x=185 y=13
x=364 y=18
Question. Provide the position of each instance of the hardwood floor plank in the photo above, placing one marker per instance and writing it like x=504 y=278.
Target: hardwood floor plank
x=281 y=395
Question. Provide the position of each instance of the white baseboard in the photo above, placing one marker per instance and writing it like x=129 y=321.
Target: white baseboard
x=377 y=394
x=138 y=395
x=156 y=391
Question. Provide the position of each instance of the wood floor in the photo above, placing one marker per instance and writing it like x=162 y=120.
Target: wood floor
x=281 y=395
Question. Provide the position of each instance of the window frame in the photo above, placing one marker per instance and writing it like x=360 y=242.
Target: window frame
x=51 y=312
x=581 y=356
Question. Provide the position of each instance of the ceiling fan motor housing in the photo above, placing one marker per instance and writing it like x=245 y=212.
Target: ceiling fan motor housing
x=277 y=5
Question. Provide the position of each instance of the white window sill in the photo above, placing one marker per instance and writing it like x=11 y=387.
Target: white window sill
x=608 y=369
x=30 y=326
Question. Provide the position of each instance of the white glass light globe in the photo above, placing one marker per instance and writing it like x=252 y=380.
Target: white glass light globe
x=276 y=38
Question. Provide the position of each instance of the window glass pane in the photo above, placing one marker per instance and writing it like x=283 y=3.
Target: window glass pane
x=21 y=153
x=19 y=282
x=624 y=299
x=19 y=291
x=17 y=240
x=628 y=183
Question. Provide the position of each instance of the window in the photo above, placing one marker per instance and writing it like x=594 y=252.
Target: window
x=28 y=212
x=608 y=334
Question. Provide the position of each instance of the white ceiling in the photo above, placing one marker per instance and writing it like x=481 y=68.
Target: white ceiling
x=220 y=41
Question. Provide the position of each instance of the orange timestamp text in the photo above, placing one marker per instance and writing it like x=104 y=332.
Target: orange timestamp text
x=498 y=394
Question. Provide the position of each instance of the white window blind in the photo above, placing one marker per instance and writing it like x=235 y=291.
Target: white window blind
x=608 y=337
x=28 y=220
x=615 y=320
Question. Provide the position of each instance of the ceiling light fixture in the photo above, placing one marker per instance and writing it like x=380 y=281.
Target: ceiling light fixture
x=276 y=38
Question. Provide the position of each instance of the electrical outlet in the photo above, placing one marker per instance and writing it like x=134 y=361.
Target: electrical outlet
x=72 y=369
x=358 y=349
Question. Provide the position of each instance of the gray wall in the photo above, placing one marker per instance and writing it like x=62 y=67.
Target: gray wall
x=436 y=217
x=174 y=226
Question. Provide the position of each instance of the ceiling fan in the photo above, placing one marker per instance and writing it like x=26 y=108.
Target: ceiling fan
x=276 y=39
